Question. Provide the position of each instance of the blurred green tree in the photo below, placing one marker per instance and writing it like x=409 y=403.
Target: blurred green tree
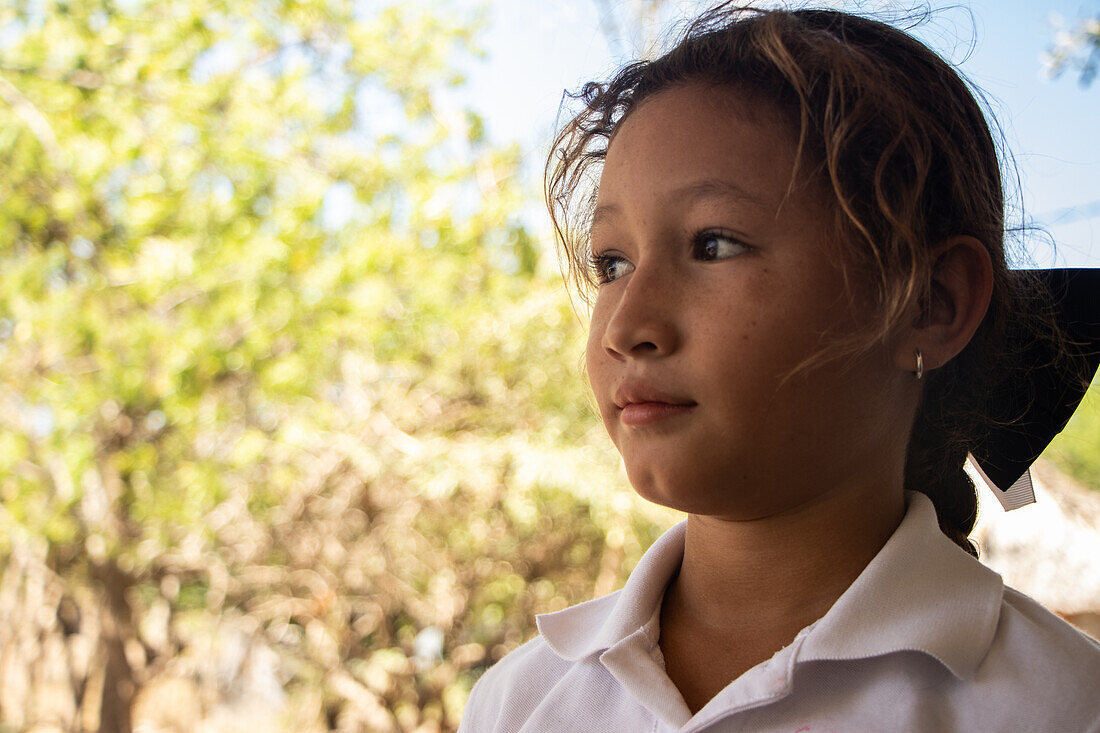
x=275 y=344
x=1077 y=48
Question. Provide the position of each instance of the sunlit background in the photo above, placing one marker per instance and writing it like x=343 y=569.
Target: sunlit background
x=293 y=429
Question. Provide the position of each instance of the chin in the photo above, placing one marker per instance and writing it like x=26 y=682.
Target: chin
x=659 y=489
x=713 y=496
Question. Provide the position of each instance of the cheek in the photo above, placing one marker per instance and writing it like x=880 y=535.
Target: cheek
x=595 y=358
x=593 y=342
x=590 y=350
x=601 y=368
x=594 y=353
x=748 y=351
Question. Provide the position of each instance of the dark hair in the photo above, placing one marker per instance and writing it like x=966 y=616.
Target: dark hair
x=905 y=155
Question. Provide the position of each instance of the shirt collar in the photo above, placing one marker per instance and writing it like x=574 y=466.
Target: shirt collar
x=928 y=595
x=921 y=592
x=597 y=625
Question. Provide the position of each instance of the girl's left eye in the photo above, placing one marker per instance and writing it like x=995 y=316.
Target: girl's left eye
x=712 y=245
x=607 y=267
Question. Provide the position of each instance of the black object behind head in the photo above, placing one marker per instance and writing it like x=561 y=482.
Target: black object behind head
x=1050 y=393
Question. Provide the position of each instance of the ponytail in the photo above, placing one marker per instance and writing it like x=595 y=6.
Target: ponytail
x=934 y=467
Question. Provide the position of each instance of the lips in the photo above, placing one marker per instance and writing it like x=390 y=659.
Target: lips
x=642 y=404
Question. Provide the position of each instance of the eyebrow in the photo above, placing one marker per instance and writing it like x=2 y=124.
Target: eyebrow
x=690 y=193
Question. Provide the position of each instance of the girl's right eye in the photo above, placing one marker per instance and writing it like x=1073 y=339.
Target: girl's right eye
x=608 y=267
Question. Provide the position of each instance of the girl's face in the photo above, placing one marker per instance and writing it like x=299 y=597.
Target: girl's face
x=716 y=282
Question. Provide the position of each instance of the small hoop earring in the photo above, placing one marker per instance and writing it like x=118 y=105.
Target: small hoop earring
x=920 y=364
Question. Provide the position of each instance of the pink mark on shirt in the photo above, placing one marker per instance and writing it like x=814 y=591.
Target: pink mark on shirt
x=803 y=729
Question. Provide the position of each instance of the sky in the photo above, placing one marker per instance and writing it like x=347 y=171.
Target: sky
x=536 y=49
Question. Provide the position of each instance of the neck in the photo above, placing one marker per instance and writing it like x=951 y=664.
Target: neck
x=773 y=576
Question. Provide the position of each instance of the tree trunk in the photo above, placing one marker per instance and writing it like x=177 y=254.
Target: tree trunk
x=117 y=630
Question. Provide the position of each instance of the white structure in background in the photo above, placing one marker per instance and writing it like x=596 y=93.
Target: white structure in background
x=1049 y=550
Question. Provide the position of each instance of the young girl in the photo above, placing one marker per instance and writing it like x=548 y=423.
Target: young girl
x=801 y=307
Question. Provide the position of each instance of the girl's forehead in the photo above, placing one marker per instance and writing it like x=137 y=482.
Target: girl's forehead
x=676 y=106
x=690 y=134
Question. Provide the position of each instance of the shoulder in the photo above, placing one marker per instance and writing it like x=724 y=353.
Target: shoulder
x=523 y=668
x=1026 y=624
x=1047 y=664
x=512 y=688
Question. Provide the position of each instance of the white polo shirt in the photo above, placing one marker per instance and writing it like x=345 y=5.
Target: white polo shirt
x=926 y=639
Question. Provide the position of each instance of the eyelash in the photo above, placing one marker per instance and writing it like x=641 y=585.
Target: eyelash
x=599 y=263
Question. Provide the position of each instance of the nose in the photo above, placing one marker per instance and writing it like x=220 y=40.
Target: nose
x=641 y=323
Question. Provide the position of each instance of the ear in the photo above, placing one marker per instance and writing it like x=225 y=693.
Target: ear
x=961 y=285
